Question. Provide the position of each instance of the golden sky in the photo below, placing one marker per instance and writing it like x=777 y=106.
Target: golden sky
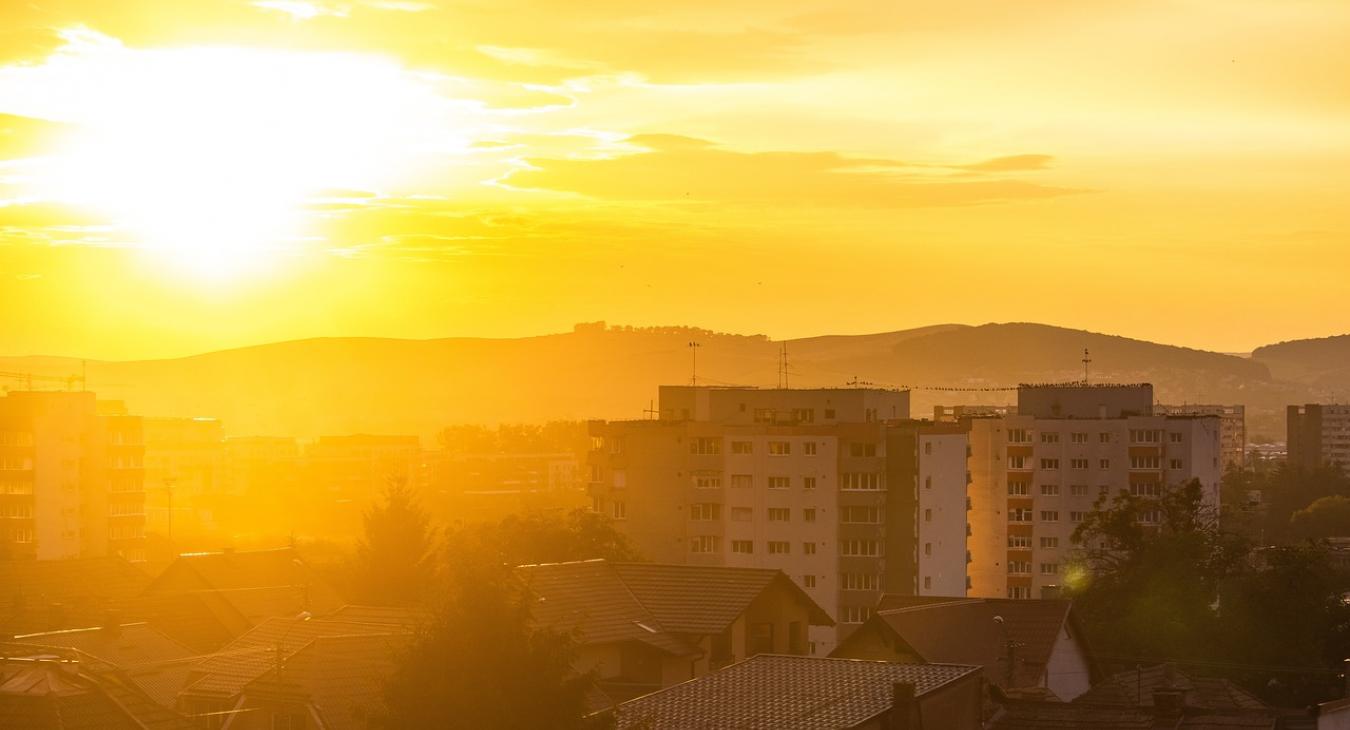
x=185 y=175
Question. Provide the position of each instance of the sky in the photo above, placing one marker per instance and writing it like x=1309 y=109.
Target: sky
x=179 y=176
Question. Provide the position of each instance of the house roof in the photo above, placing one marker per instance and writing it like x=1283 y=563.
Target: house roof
x=344 y=676
x=1030 y=715
x=649 y=602
x=964 y=630
x=258 y=651
x=57 y=693
x=1135 y=688
x=257 y=583
x=184 y=617
x=785 y=693
x=157 y=664
x=45 y=594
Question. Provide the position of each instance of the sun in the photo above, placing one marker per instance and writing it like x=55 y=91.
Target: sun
x=208 y=158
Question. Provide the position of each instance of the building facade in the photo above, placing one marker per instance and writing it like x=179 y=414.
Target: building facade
x=1232 y=429
x=71 y=477
x=1318 y=435
x=835 y=487
x=1036 y=475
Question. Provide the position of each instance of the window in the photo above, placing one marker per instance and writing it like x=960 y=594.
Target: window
x=1049 y=463
x=1079 y=464
x=1077 y=516
x=779 y=547
x=742 y=514
x=809 y=581
x=804 y=415
x=1049 y=437
x=1078 y=437
x=927 y=582
x=703 y=544
x=928 y=549
x=744 y=547
x=1018 y=489
x=928 y=448
x=928 y=515
x=1145 y=462
x=860 y=548
x=808 y=548
x=1019 y=567
x=829 y=413
x=860 y=581
x=1019 y=542
x=862 y=449
x=1019 y=436
x=1145 y=436
x=1150 y=516
x=705 y=446
x=1019 y=592
x=1103 y=463
x=742 y=447
x=808 y=482
x=742 y=480
x=1049 y=543
x=1078 y=490
x=854 y=614
x=809 y=514
x=707 y=481
x=1049 y=515
x=704 y=512
x=860 y=515
x=1017 y=462
x=1049 y=490
x=1174 y=437
x=1174 y=464
x=780 y=482
x=1019 y=515
x=780 y=448
x=1049 y=568
x=780 y=514
x=861 y=481
x=763 y=415
x=1103 y=438
x=809 y=448
x=620 y=510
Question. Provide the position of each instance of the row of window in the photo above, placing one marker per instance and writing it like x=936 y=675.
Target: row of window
x=847 y=548
x=1023 y=567
x=1136 y=462
x=1047 y=515
x=747 y=481
x=1024 y=542
x=1137 y=436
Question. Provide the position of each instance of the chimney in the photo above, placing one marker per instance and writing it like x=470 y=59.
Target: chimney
x=904 y=709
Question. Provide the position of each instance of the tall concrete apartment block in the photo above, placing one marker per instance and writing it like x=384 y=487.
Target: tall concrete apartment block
x=1318 y=435
x=1232 y=429
x=1035 y=474
x=836 y=487
x=71 y=477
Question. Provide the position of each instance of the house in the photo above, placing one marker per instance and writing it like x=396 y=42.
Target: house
x=798 y=692
x=1166 y=711
x=318 y=672
x=1140 y=688
x=156 y=664
x=1042 y=638
x=42 y=595
x=643 y=626
x=68 y=690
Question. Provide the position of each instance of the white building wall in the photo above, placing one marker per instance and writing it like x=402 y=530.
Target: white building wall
x=1067 y=672
x=942 y=515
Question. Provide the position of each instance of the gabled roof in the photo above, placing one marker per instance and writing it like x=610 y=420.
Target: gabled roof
x=651 y=603
x=157 y=664
x=343 y=676
x=185 y=617
x=257 y=583
x=786 y=693
x=1135 y=688
x=964 y=630
x=59 y=693
x=1027 y=715
x=38 y=595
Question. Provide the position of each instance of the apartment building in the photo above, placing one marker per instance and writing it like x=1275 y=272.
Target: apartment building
x=184 y=462
x=1318 y=435
x=71 y=477
x=835 y=487
x=1036 y=474
x=1232 y=429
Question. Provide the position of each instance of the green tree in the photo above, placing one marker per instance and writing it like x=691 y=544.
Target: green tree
x=543 y=537
x=394 y=559
x=481 y=663
x=1326 y=517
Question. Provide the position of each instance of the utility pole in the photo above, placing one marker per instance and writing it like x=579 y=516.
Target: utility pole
x=1087 y=360
x=693 y=351
x=783 y=367
x=168 y=488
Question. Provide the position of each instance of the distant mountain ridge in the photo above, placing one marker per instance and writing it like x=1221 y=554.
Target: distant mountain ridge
x=383 y=385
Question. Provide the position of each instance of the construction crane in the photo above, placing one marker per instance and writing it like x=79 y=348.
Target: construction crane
x=28 y=379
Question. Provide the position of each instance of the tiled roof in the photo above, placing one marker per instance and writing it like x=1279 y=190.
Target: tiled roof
x=1135 y=688
x=785 y=693
x=156 y=663
x=182 y=616
x=344 y=675
x=41 y=595
x=383 y=615
x=61 y=694
x=963 y=630
x=648 y=602
x=258 y=583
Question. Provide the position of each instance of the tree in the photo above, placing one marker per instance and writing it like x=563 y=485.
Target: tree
x=1150 y=573
x=481 y=663
x=1326 y=517
x=543 y=537
x=394 y=559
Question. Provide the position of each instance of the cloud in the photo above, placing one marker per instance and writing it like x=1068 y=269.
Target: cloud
x=1012 y=163
x=675 y=168
x=26 y=136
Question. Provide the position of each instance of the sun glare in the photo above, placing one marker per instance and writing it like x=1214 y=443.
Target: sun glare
x=207 y=157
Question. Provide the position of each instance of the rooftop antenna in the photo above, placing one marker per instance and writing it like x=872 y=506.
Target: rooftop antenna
x=783 y=367
x=651 y=410
x=1087 y=360
x=693 y=351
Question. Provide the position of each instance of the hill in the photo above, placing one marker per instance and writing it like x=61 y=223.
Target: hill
x=350 y=385
x=1322 y=364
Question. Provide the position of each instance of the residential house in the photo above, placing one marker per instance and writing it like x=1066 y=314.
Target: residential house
x=800 y=693
x=70 y=690
x=1022 y=644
